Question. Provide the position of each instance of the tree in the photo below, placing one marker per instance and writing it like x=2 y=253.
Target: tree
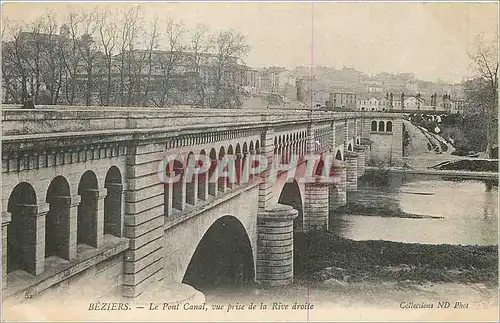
x=129 y=32
x=174 y=32
x=151 y=43
x=201 y=44
x=108 y=40
x=482 y=92
x=230 y=46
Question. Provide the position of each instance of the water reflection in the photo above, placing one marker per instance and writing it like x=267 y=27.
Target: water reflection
x=469 y=210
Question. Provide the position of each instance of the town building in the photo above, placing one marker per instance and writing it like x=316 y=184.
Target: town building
x=344 y=100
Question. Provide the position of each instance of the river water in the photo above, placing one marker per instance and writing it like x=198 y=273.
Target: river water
x=461 y=212
x=467 y=211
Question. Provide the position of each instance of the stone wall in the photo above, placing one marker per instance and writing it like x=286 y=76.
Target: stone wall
x=97 y=282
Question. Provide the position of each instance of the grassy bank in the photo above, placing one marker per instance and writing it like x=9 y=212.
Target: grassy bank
x=325 y=256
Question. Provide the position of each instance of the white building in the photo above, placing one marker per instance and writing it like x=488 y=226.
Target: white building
x=414 y=102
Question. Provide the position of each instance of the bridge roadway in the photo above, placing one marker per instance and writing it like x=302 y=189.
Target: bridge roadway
x=84 y=209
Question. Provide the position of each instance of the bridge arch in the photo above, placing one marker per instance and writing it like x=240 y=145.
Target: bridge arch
x=221 y=180
x=223 y=256
x=113 y=202
x=338 y=155
x=190 y=179
x=212 y=184
x=57 y=220
x=202 y=178
x=20 y=232
x=291 y=195
x=88 y=189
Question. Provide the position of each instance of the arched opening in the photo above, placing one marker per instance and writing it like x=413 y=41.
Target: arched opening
x=229 y=180
x=349 y=147
x=176 y=169
x=57 y=221
x=357 y=141
x=338 y=155
x=87 y=210
x=113 y=202
x=389 y=126
x=190 y=179
x=222 y=180
x=21 y=231
x=290 y=195
x=212 y=180
x=320 y=168
x=245 y=164
x=202 y=178
x=286 y=150
x=238 y=164
x=251 y=174
x=374 y=126
x=223 y=257
x=381 y=126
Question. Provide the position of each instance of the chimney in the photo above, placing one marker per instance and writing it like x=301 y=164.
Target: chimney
x=300 y=90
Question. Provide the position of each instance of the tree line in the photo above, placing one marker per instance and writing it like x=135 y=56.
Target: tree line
x=121 y=59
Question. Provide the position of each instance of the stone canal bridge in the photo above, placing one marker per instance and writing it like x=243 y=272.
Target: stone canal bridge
x=84 y=207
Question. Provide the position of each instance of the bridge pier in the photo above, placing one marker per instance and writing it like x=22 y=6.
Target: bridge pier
x=6 y=218
x=360 y=150
x=144 y=218
x=275 y=246
x=352 y=171
x=35 y=229
x=316 y=206
x=338 y=195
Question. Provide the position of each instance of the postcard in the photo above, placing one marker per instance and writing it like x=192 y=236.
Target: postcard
x=249 y=161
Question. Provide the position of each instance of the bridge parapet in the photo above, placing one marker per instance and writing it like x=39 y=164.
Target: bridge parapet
x=90 y=119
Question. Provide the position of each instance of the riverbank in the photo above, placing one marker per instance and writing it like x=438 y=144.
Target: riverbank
x=381 y=210
x=325 y=256
x=473 y=175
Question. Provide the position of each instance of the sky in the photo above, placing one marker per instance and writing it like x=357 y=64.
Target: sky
x=431 y=40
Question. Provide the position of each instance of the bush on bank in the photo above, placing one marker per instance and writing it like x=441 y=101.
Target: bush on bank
x=393 y=261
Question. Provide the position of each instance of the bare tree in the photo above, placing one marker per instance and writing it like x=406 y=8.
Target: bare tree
x=485 y=89
x=15 y=64
x=87 y=48
x=201 y=45
x=10 y=67
x=129 y=32
x=168 y=61
x=70 y=54
x=108 y=33
x=52 y=66
x=151 y=44
x=230 y=46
